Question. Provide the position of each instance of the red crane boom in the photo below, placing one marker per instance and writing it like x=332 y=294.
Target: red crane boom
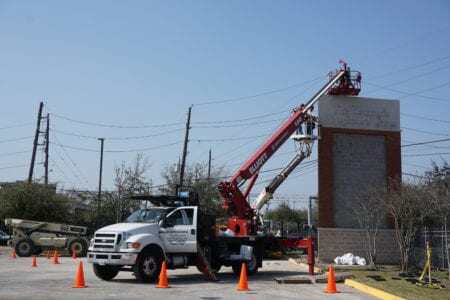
x=242 y=219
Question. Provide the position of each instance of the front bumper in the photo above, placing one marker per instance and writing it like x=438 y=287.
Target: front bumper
x=113 y=258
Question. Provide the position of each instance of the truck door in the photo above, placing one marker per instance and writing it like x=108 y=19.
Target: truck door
x=179 y=230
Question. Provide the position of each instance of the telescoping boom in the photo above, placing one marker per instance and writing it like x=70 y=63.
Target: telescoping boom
x=242 y=220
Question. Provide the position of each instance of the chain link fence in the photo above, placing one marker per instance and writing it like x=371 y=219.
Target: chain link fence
x=439 y=240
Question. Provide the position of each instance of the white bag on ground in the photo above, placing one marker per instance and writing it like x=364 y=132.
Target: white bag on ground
x=349 y=259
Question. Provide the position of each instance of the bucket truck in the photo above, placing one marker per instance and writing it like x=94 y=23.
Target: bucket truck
x=178 y=230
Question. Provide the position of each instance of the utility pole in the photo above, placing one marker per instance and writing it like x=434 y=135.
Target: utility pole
x=209 y=165
x=186 y=140
x=35 y=143
x=47 y=142
x=311 y=198
x=102 y=140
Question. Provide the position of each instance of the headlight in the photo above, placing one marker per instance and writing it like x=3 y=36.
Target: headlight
x=134 y=245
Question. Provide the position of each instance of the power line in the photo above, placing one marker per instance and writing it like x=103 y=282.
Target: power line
x=306 y=172
x=420 y=37
x=415 y=165
x=410 y=78
x=298 y=172
x=435 y=60
x=228 y=139
x=227 y=153
x=240 y=124
x=428 y=147
x=13 y=167
x=118 y=138
x=17 y=139
x=426 y=143
x=274 y=156
x=77 y=174
x=262 y=116
x=110 y=191
x=425 y=131
x=16 y=126
x=411 y=67
x=119 y=151
x=60 y=170
x=255 y=123
x=252 y=97
x=413 y=175
x=426 y=154
x=13 y=153
x=417 y=93
x=114 y=125
x=71 y=168
x=232 y=150
x=425 y=118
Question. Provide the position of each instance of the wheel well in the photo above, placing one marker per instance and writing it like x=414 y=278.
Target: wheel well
x=154 y=248
x=73 y=239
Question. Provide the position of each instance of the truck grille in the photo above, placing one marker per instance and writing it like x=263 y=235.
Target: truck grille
x=106 y=241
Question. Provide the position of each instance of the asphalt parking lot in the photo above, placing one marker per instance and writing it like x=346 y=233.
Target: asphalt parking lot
x=18 y=280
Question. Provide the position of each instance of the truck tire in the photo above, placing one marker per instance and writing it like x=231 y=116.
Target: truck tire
x=148 y=266
x=79 y=246
x=252 y=267
x=105 y=272
x=24 y=247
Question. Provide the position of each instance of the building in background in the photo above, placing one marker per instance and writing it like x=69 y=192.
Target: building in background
x=360 y=148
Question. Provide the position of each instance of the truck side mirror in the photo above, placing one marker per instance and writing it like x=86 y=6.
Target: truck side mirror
x=168 y=222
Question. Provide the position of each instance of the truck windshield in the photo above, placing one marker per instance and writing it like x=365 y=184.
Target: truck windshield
x=151 y=215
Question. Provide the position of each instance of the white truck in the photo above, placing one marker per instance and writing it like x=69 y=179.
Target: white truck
x=183 y=236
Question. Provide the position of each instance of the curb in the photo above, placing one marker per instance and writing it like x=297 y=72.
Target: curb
x=371 y=291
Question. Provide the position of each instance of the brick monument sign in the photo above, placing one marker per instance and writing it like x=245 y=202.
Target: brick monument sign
x=359 y=149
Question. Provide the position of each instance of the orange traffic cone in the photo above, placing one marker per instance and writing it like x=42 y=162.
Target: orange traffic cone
x=13 y=254
x=79 y=277
x=55 y=258
x=33 y=261
x=243 y=281
x=163 y=281
x=331 y=285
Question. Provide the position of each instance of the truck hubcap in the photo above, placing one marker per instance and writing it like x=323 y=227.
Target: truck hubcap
x=76 y=247
x=149 y=265
x=252 y=263
x=24 y=247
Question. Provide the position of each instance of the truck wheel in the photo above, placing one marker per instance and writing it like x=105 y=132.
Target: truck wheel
x=79 y=246
x=105 y=272
x=148 y=266
x=252 y=267
x=24 y=247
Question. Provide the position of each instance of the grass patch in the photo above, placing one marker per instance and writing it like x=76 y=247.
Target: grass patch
x=388 y=280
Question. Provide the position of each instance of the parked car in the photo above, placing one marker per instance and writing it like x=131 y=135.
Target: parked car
x=4 y=238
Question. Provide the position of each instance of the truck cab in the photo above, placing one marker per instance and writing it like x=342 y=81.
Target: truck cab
x=144 y=240
x=182 y=236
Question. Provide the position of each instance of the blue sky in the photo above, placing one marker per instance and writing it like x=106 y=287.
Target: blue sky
x=145 y=62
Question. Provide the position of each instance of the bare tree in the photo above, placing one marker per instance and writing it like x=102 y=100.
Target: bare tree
x=196 y=178
x=409 y=206
x=438 y=184
x=369 y=210
x=129 y=180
